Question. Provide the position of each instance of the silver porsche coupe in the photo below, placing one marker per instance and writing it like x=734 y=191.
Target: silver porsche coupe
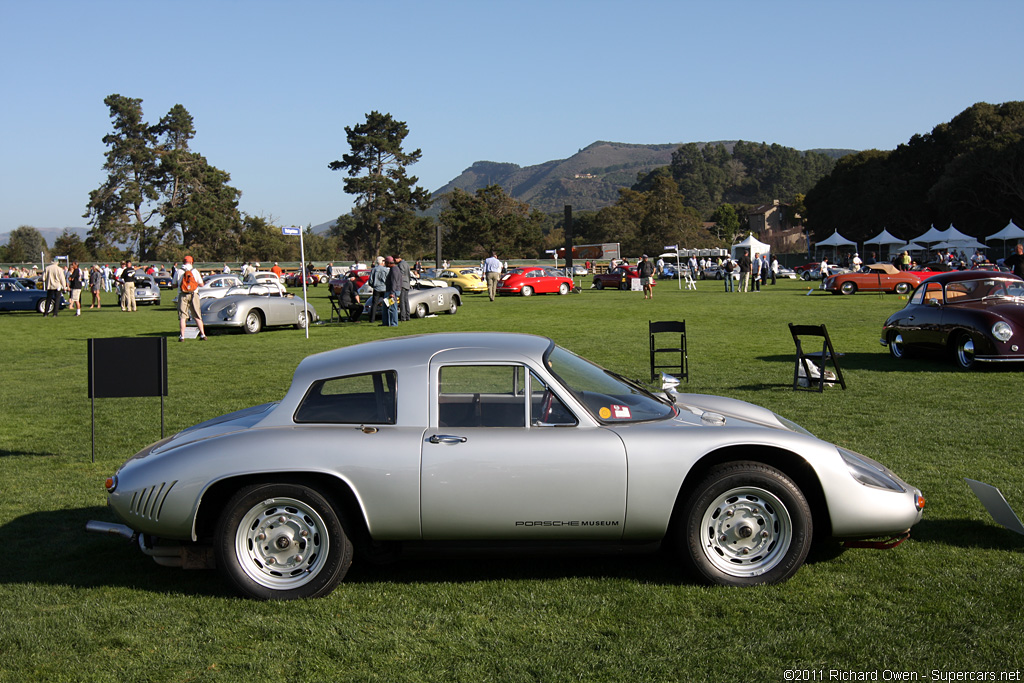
x=492 y=437
x=252 y=307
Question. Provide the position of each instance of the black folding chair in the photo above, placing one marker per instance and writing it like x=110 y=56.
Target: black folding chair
x=666 y=327
x=818 y=360
x=336 y=312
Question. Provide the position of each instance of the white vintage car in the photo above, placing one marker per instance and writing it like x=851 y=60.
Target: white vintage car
x=492 y=438
x=254 y=307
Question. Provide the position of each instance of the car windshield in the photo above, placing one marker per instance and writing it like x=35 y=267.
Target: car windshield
x=984 y=288
x=610 y=398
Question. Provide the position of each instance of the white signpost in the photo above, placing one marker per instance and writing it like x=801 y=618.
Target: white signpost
x=292 y=231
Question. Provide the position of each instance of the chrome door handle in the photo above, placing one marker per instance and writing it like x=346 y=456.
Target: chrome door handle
x=446 y=438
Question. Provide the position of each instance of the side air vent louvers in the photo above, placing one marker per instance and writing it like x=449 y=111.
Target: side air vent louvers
x=148 y=502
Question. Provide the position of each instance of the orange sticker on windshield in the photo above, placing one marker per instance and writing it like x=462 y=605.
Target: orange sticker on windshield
x=604 y=413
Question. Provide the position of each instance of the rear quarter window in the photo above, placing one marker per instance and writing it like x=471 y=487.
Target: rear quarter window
x=355 y=399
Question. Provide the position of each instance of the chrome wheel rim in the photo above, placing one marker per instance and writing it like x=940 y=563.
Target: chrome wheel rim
x=896 y=345
x=965 y=352
x=252 y=321
x=746 y=531
x=281 y=543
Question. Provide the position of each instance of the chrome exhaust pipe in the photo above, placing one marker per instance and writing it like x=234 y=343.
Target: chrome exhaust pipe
x=112 y=529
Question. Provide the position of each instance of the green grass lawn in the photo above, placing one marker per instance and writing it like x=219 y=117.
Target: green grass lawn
x=85 y=607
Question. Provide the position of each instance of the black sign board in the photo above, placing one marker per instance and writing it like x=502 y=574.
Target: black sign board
x=121 y=367
x=127 y=366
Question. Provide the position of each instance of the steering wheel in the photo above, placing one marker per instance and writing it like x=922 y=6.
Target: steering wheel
x=546 y=406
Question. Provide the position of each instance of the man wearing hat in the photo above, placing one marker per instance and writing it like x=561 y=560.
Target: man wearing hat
x=188 y=298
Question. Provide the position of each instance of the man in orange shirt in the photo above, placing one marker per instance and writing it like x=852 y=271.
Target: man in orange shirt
x=276 y=270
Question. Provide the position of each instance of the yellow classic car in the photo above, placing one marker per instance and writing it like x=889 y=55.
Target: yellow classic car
x=462 y=278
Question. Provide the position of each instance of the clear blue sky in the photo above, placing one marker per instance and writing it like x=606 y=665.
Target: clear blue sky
x=272 y=85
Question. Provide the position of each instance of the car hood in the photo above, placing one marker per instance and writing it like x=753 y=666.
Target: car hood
x=705 y=409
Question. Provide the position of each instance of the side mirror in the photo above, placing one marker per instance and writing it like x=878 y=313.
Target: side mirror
x=932 y=302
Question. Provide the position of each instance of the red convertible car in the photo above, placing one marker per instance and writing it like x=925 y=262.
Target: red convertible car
x=971 y=315
x=532 y=280
x=878 y=277
x=619 y=277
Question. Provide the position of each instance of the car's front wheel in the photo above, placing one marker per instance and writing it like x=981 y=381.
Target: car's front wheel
x=302 y=321
x=746 y=524
x=282 y=542
x=563 y=288
x=598 y=284
x=253 y=322
x=453 y=307
x=897 y=347
x=963 y=351
x=421 y=310
x=41 y=305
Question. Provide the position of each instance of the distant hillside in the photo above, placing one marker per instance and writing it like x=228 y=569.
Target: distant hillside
x=588 y=180
x=49 y=234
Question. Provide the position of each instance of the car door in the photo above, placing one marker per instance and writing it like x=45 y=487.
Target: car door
x=923 y=323
x=492 y=468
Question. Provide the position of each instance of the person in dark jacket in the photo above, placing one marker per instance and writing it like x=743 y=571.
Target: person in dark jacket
x=645 y=269
x=394 y=290
x=348 y=299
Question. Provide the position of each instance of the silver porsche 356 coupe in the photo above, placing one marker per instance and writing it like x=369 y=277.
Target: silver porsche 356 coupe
x=492 y=437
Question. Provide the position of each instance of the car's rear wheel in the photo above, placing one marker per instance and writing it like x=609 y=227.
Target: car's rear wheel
x=848 y=288
x=902 y=287
x=457 y=289
x=527 y=290
x=253 y=322
x=746 y=524
x=598 y=284
x=421 y=310
x=805 y=275
x=623 y=286
x=897 y=347
x=963 y=351
x=282 y=542
x=563 y=289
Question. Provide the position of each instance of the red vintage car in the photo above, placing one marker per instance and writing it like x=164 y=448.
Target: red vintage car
x=361 y=278
x=619 y=277
x=878 y=277
x=530 y=280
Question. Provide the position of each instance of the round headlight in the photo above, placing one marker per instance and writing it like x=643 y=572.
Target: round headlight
x=230 y=310
x=1002 y=331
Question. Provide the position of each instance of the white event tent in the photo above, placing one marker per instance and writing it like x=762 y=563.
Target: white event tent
x=1010 y=232
x=755 y=246
x=835 y=240
x=883 y=239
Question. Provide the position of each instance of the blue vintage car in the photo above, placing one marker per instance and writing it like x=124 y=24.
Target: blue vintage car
x=14 y=296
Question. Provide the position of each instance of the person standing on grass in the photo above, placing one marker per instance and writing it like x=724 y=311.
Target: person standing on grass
x=403 y=305
x=188 y=299
x=394 y=289
x=755 y=272
x=492 y=272
x=745 y=272
x=128 y=280
x=54 y=283
x=76 y=280
x=95 y=280
x=645 y=269
x=378 y=283
x=1015 y=261
x=727 y=267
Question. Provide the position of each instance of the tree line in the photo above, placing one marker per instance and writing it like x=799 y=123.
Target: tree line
x=161 y=199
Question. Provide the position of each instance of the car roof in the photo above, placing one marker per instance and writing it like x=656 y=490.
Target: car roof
x=960 y=275
x=414 y=350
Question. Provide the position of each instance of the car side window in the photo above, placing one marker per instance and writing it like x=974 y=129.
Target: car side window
x=355 y=399
x=497 y=396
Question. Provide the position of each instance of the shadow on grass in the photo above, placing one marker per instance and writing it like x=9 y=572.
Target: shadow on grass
x=7 y=453
x=967 y=533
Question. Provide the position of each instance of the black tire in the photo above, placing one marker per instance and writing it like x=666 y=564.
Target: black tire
x=282 y=542
x=563 y=289
x=421 y=310
x=897 y=347
x=963 y=351
x=253 y=322
x=719 y=276
x=457 y=289
x=848 y=287
x=527 y=290
x=453 y=307
x=303 y=320
x=902 y=287
x=41 y=305
x=805 y=275
x=598 y=284
x=745 y=524
x=624 y=286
